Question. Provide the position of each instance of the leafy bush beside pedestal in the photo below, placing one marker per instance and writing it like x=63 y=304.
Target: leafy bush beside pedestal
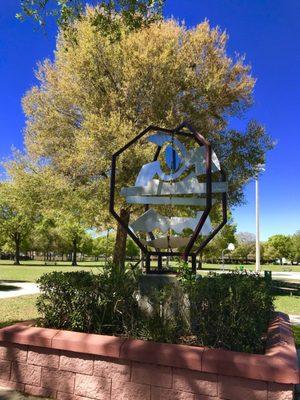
x=85 y=302
x=230 y=311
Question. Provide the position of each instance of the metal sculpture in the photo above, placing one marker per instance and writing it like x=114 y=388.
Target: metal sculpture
x=195 y=180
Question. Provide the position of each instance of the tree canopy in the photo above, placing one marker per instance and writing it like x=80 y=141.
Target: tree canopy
x=133 y=14
x=97 y=95
x=278 y=247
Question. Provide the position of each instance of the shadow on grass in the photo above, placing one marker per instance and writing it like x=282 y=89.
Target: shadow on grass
x=85 y=264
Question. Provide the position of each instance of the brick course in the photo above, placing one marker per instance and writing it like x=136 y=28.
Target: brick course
x=95 y=387
x=158 y=393
x=13 y=352
x=131 y=391
x=58 y=380
x=117 y=370
x=24 y=373
x=5 y=369
x=152 y=374
x=81 y=363
x=195 y=382
x=43 y=357
x=241 y=389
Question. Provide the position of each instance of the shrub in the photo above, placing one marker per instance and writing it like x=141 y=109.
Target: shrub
x=81 y=301
x=165 y=319
x=230 y=311
x=68 y=300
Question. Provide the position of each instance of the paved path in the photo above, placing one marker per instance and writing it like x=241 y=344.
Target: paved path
x=293 y=276
x=295 y=319
x=14 y=289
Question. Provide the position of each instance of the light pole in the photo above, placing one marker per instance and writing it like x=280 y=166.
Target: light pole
x=257 y=240
x=257 y=244
x=230 y=247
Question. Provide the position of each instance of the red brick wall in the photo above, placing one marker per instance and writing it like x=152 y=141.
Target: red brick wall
x=67 y=375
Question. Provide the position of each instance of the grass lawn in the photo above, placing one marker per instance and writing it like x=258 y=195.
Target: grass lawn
x=296 y=330
x=251 y=267
x=31 y=270
x=17 y=309
x=288 y=304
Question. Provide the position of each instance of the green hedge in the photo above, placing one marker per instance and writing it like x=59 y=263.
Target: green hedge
x=230 y=311
x=85 y=302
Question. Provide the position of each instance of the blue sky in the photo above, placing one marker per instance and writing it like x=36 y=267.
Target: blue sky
x=266 y=31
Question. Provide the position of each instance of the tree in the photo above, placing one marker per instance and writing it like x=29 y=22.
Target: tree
x=295 y=248
x=96 y=96
x=220 y=242
x=70 y=220
x=87 y=246
x=245 y=248
x=45 y=235
x=131 y=249
x=105 y=245
x=245 y=237
x=245 y=251
x=72 y=230
x=16 y=216
x=57 y=205
x=278 y=247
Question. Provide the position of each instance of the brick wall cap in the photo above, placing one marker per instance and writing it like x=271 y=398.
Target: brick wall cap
x=172 y=355
x=88 y=343
x=23 y=333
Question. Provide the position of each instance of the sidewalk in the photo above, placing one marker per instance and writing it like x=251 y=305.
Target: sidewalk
x=295 y=319
x=14 y=289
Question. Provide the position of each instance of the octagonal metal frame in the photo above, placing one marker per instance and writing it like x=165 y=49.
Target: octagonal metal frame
x=208 y=163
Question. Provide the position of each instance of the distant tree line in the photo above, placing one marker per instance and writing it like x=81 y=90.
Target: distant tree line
x=276 y=249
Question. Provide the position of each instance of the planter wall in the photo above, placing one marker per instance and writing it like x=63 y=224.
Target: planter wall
x=78 y=366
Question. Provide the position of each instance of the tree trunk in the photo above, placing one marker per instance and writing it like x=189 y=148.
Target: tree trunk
x=74 y=253
x=141 y=257
x=200 y=260
x=120 y=243
x=17 y=238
